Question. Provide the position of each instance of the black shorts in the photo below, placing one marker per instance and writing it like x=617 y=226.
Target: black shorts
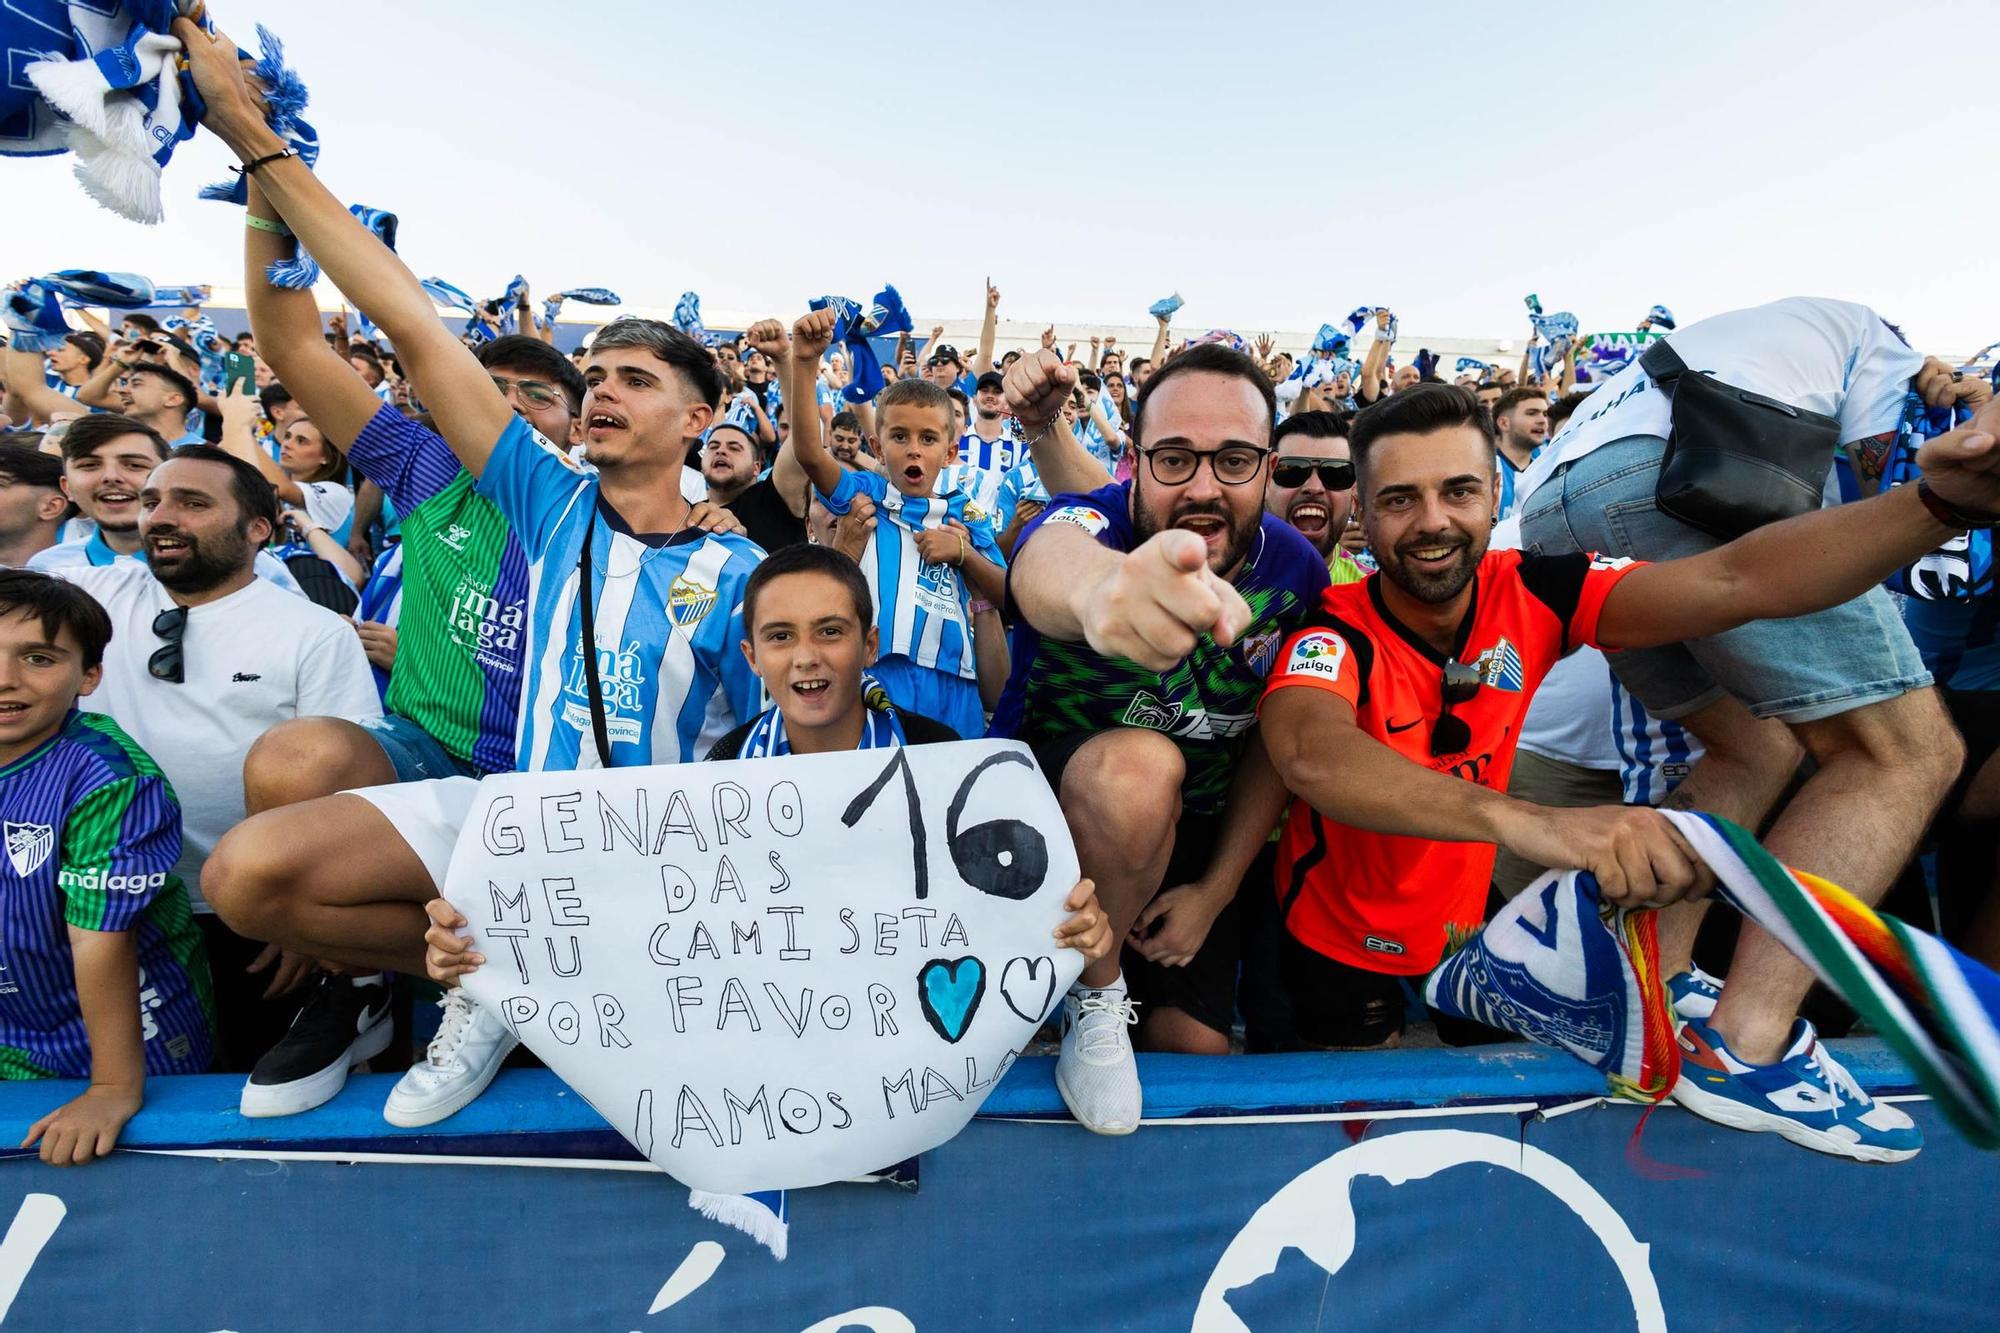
x=1335 y=1005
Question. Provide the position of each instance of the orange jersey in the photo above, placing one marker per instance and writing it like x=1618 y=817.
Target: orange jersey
x=1395 y=904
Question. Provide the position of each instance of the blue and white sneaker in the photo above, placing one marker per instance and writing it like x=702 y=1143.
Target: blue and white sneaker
x=1694 y=994
x=1807 y=1097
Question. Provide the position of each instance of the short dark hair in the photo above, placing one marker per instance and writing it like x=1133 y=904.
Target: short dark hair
x=517 y=351
x=957 y=395
x=913 y=392
x=176 y=381
x=30 y=466
x=1563 y=408
x=86 y=435
x=806 y=558
x=696 y=367
x=363 y=352
x=1319 y=425
x=1209 y=358
x=1513 y=398
x=273 y=396
x=1420 y=409
x=254 y=495
x=90 y=345
x=60 y=605
x=844 y=420
x=1132 y=366
x=146 y=322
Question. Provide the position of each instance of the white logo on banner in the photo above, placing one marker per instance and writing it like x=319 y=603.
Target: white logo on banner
x=1314 y=1214
x=774 y=973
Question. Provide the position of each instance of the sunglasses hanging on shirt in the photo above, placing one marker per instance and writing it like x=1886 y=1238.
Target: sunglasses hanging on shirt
x=168 y=663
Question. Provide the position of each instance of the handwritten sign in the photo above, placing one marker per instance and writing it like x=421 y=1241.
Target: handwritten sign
x=774 y=973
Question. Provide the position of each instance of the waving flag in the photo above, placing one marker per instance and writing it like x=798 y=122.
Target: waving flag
x=1165 y=307
x=851 y=326
x=33 y=313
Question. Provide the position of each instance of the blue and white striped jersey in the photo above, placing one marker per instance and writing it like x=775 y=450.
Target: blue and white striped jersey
x=920 y=608
x=995 y=455
x=1022 y=482
x=669 y=618
x=382 y=603
x=981 y=487
x=1653 y=753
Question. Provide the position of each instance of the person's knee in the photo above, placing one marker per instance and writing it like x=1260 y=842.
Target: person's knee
x=1910 y=737
x=240 y=879
x=1122 y=790
x=308 y=757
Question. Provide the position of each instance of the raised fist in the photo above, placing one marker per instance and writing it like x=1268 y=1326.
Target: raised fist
x=1037 y=385
x=812 y=334
x=768 y=337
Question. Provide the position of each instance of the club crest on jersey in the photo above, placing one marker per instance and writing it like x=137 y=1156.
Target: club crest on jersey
x=1261 y=648
x=1092 y=521
x=1609 y=561
x=1500 y=666
x=1317 y=653
x=28 y=846
x=689 y=602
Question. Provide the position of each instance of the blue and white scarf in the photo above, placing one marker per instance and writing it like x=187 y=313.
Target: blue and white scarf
x=179 y=298
x=1227 y=337
x=1962 y=568
x=1330 y=342
x=1362 y=316
x=852 y=327
x=882 y=730
x=1467 y=364
x=1557 y=332
x=687 y=318
x=1661 y=317
x=33 y=313
x=1165 y=307
x=587 y=295
x=104 y=88
x=285 y=95
x=201 y=335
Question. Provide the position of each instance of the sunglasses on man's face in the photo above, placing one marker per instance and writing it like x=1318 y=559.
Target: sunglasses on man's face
x=1336 y=474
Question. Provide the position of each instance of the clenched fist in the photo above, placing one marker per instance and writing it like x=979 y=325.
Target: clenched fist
x=812 y=334
x=1036 y=387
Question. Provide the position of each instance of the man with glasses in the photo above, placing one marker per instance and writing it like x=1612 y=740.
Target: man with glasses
x=206 y=657
x=1150 y=612
x=1312 y=485
x=1394 y=716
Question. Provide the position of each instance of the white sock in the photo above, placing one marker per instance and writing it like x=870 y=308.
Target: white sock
x=1116 y=986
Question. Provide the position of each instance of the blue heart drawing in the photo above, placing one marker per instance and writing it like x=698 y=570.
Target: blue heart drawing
x=949 y=991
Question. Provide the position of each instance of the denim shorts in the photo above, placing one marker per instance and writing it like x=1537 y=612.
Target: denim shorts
x=1796 y=670
x=414 y=752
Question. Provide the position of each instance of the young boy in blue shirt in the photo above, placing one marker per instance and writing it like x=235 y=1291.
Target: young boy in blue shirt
x=101 y=970
x=928 y=556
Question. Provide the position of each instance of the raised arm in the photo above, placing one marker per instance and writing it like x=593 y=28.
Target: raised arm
x=28 y=393
x=286 y=323
x=982 y=360
x=1811 y=562
x=1036 y=387
x=1376 y=361
x=812 y=334
x=1149 y=606
x=469 y=411
x=1160 y=339
x=768 y=337
x=99 y=389
x=239 y=424
x=930 y=345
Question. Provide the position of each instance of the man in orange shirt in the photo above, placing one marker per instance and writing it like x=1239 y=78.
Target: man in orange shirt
x=1394 y=713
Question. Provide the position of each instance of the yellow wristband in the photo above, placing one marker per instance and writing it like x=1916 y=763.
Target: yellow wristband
x=256 y=223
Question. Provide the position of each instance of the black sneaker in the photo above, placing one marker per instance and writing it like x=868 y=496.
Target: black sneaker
x=344 y=1023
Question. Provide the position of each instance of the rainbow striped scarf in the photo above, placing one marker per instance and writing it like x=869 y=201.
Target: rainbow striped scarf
x=1557 y=966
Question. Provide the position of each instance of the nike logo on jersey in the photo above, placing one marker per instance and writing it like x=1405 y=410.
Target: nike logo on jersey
x=1394 y=727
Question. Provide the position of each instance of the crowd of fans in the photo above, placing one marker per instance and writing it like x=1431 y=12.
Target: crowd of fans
x=1302 y=644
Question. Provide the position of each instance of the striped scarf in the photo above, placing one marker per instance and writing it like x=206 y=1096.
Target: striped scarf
x=32 y=311
x=882 y=730
x=854 y=327
x=1558 y=967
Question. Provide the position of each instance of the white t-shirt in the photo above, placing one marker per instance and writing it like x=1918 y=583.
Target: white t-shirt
x=1832 y=357
x=1569 y=718
x=252 y=660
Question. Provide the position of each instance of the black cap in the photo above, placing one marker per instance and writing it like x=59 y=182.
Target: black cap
x=992 y=379
x=945 y=352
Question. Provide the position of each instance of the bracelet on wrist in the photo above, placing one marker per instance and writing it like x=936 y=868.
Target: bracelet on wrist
x=264 y=161
x=1949 y=514
x=255 y=223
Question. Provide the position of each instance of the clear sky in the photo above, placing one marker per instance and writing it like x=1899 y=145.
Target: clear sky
x=1278 y=165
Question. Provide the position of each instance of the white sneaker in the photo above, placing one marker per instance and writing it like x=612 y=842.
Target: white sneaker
x=1096 y=1072
x=461 y=1060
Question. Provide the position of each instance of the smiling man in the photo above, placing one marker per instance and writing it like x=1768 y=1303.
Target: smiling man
x=1394 y=715
x=1312 y=485
x=1150 y=613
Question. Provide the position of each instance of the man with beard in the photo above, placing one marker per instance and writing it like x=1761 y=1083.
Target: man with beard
x=1393 y=716
x=1521 y=428
x=32 y=505
x=205 y=657
x=1312 y=485
x=1150 y=612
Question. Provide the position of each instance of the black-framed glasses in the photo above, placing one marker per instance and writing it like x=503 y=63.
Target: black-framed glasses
x=1172 y=465
x=167 y=662
x=1336 y=474
x=1452 y=734
x=535 y=393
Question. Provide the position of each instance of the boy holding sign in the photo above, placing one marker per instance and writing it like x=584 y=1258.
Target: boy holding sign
x=812 y=636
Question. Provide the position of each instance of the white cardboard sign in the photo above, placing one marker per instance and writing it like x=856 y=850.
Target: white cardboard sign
x=774 y=973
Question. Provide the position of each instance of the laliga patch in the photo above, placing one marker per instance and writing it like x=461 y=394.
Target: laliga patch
x=1319 y=653
x=1092 y=521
